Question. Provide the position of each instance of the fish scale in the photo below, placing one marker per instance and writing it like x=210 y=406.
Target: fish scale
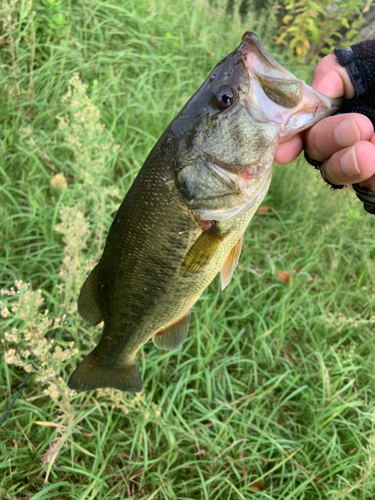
x=184 y=217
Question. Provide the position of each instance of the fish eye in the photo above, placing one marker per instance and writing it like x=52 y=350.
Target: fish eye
x=224 y=97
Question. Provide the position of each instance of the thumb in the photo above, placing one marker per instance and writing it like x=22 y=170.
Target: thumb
x=332 y=79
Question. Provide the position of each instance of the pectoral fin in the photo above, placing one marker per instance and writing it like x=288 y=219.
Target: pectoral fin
x=202 y=251
x=87 y=305
x=230 y=263
x=173 y=337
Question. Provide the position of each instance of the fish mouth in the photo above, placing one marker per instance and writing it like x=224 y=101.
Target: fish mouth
x=277 y=95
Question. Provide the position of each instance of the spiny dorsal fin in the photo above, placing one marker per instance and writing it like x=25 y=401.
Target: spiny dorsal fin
x=87 y=305
x=230 y=263
x=91 y=374
x=202 y=251
x=172 y=337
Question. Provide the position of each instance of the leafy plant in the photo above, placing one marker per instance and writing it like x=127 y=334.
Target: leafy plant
x=314 y=27
x=50 y=17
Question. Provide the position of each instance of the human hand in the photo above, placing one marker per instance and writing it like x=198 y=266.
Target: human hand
x=345 y=142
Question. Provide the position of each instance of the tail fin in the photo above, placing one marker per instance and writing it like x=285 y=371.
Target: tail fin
x=90 y=375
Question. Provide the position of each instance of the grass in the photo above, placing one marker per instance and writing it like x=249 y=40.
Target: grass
x=272 y=395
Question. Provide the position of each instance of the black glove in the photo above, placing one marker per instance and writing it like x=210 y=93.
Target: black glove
x=359 y=61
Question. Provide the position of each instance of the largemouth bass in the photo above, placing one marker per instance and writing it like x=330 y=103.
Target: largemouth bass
x=185 y=215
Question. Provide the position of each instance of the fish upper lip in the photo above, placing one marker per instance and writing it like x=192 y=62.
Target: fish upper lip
x=244 y=48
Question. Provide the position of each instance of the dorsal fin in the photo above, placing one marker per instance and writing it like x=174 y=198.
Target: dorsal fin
x=230 y=263
x=87 y=305
x=172 y=337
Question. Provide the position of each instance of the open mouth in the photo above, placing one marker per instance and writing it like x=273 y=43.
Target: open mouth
x=276 y=95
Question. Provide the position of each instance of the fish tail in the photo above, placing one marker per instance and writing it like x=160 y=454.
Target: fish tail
x=91 y=374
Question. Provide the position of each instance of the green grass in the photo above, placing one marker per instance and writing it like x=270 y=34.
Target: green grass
x=274 y=386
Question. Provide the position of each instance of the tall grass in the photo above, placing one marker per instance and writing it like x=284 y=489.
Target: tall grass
x=272 y=393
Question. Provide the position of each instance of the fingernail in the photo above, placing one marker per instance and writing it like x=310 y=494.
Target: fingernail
x=346 y=133
x=348 y=163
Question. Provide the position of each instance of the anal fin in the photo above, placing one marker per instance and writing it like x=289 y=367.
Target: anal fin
x=204 y=248
x=87 y=305
x=230 y=263
x=173 y=337
x=91 y=374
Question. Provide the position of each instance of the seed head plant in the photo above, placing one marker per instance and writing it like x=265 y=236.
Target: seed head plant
x=74 y=267
x=94 y=151
x=29 y=345
x=30 y=327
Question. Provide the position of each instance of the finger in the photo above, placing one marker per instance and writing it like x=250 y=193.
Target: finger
x=332 y=79
x=288 y=151
x=352 y=165
x=337 y=132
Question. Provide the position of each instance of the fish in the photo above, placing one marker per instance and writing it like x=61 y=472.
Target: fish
x=184 y=217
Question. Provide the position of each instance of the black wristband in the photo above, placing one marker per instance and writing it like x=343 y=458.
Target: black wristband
x=366 y=197
x=318 y=165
